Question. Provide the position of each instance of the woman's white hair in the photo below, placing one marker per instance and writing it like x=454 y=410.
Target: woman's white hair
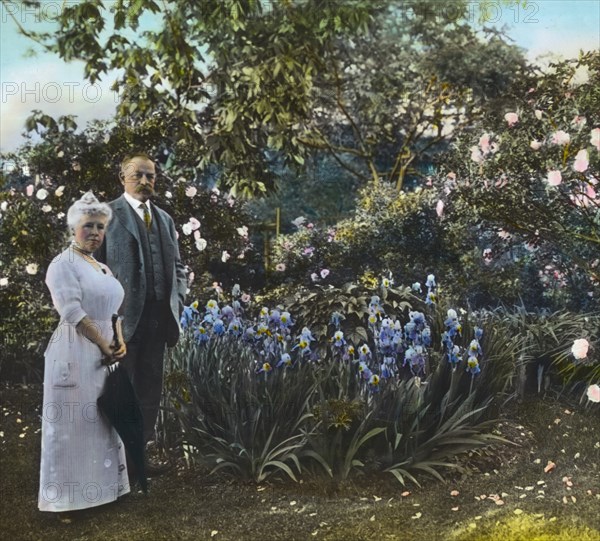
x=88 y=205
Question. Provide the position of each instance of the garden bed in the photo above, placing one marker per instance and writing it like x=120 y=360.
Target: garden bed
x=506 y=494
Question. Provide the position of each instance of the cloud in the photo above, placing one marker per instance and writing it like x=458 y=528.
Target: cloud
x=54 y=87
x=543 y=43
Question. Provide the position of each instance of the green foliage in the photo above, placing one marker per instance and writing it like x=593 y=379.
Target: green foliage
x=322 y=194
x=253 y=422
x=503 y=194
x=548 y=338
x=29 y=239
x=238 y=82
x=389 y=232
x=58 y=169
x=314 y=308
x=392 y=98
x=232 y=418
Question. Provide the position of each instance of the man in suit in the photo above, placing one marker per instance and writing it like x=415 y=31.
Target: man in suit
x=141 y=250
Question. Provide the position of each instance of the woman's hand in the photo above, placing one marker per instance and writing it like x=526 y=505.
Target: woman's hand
x=111 y=353
x=120 y=352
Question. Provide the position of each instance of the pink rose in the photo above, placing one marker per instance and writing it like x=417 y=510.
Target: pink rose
x=476 y=155
x=595 y=138
x=511 y=119
x=29 y=190
x=580 y=348
x=324 y=273
x=195 y=224
x=484 y=143
x=280 y=267
x=581 y=161
x=554 y=178
x=560 y=137
x=593 y=393
x=535 y=145
x=191 y=191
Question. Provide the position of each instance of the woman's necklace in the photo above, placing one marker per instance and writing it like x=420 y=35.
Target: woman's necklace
x=88 y=257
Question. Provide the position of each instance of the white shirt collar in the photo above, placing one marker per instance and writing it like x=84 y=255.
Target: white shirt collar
x=135 y=204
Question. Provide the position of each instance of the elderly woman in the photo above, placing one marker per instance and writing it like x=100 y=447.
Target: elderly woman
x=83 y=459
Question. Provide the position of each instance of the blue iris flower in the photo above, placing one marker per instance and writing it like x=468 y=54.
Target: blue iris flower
x=201 y=335
x=473 y=366
x=336 y=318
x=227 y=312
x=285 y=360
x=235 y=327
x=410 y=331
x=426 y=336
x=219 y=327
x=187 y=317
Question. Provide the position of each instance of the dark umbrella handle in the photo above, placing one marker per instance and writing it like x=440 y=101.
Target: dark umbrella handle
x=116 y=342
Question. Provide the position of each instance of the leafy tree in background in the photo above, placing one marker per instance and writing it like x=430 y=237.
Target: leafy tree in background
x=40 y=182
x=241 y=85
x=387 y=101
x=232 y=77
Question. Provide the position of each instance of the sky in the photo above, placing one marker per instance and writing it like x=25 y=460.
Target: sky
x=544 y=28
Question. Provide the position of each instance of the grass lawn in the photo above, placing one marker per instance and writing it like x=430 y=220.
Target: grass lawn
x=506 y=494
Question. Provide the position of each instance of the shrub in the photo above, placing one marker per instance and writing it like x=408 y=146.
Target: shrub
x=46 y=178
x=523 y=186
x=254 y=397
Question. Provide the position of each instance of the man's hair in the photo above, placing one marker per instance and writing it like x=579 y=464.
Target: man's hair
x=128 y=157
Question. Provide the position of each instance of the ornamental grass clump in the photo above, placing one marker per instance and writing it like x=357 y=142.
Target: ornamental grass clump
x=404 y=395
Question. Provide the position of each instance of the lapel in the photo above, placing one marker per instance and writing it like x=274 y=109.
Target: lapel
x=165 y=244
x=125 y=214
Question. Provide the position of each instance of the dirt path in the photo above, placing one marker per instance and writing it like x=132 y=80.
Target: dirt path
x=507 y=495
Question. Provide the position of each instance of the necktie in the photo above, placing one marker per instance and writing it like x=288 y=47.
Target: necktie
x=147 y=218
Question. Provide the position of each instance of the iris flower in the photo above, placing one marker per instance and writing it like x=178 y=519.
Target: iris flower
x=212 y=306
x=265 y=368
x=338 y=339
x=364 y=370
x=336 y=317
x=201 y=335
x=473 y=366
x=275 y=317
x=235 y=327
x=285 y=360
x=219 y=327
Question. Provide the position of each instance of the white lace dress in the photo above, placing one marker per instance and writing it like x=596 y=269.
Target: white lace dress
x=83 y=458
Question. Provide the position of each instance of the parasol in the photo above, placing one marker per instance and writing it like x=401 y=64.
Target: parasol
x=121 y=408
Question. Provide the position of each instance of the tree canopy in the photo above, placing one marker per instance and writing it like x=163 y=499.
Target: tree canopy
x=239 y=85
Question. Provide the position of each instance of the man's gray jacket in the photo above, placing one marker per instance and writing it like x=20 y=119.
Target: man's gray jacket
x=122 y=252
